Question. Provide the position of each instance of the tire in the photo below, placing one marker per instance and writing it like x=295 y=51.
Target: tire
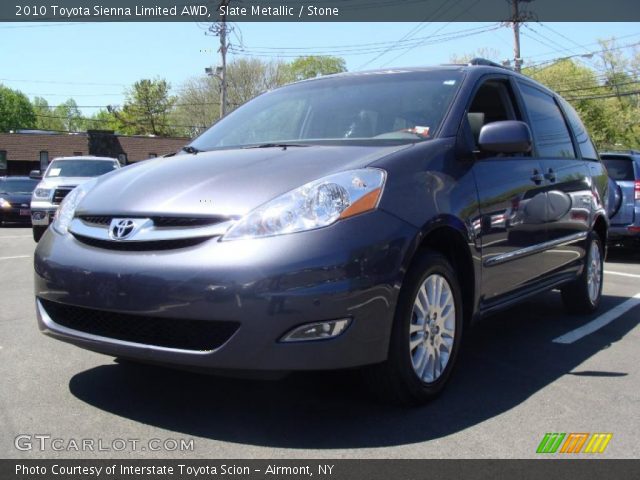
x=398 y=379
x=583 y=295
x=38 y=232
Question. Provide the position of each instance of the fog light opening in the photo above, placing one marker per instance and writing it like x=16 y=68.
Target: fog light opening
x=317 y=331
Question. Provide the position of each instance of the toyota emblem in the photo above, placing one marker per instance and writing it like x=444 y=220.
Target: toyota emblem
x=122 y=228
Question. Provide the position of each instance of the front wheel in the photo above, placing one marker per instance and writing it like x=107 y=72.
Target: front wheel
x=583 y=295
x=426 y=334
x=38 y=232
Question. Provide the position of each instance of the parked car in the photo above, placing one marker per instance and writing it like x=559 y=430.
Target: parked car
x=624 y=169
x=15 y=197
x=62 y=175
x=356 y=220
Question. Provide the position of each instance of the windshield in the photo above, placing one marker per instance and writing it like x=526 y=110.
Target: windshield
x=79 y=168
x=17 y=186
x=361 y=109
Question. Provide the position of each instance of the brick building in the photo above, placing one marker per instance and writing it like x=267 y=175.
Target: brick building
x=25 y=151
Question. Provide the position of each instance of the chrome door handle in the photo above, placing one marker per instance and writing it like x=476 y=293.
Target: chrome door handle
x=537 y=177
x=550 y=175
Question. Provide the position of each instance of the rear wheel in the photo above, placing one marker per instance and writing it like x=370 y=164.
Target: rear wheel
x=583 y=295
x=425 y=337
x=38 y=232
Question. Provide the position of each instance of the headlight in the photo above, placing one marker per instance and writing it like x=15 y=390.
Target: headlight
x=42 y=193
x=314 y=205
x=4 y=203
x=67 y=209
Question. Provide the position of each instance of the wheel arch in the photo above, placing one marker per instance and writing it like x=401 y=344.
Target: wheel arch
x=448 y=236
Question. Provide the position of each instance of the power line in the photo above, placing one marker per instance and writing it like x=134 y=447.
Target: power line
x=440 y=29
x=406 y=36
x=110 y=121
x=606 y=95
x=439 y=39
x=594 y=52
x=57 y=82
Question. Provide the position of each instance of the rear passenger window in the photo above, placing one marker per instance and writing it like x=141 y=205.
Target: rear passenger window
x=585 y=145
x=551 y=135
x=619 y=168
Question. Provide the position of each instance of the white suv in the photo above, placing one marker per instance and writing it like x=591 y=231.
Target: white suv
x=62 y=175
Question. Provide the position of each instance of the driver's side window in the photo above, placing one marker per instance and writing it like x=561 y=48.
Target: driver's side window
x=493 y=102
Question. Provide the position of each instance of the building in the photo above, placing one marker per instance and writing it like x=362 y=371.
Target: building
x=24 y=151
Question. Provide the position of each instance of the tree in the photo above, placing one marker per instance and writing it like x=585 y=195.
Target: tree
x=248 y=78
x=483 y=52
x=199 y=98
x=69 y=115
x=102 y=120
x=198 y=104
x=147 y=108
x=315 y=65
x=16 y=111
x=45 y=117
x=593 y=98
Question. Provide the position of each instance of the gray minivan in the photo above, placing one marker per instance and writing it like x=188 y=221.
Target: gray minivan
x=624 y=169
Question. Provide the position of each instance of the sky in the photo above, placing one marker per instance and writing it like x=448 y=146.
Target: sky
x=95 y=62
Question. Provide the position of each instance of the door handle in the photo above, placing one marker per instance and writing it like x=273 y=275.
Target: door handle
x=550 y=175
x=537 y=177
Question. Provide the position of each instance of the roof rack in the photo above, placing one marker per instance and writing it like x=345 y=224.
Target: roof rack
x=485 y=62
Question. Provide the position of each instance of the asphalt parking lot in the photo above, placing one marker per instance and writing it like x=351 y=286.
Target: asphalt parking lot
x=514 y=383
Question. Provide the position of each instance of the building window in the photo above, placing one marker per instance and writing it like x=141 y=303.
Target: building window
x=122 y=158
x=153 y=155
x=77 y=154
x=3 y=159
x=44 y=160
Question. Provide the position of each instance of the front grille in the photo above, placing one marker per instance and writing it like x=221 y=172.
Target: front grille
x=59 y=194
x=141 y=246
x=197 y=335
x=95 y=220
x=160 y=222
x=186 y=222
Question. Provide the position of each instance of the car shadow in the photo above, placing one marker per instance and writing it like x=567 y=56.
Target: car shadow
x=623 y=254
x=505 y=359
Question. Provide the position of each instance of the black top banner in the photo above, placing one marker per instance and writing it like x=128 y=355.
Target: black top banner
x=320 y=10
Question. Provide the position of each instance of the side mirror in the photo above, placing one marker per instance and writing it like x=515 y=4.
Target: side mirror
x=507 y=136
x=35 y=174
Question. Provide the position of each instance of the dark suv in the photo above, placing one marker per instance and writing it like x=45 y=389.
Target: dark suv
x=624 y=168
x=356 y=220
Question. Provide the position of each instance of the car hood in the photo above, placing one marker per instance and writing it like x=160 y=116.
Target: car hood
x=221 y=182
x=15 y=198
x=54 y=182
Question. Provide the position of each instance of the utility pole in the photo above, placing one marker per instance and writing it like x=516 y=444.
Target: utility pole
x=223 y=57
x=517 y=59
x=517 y=17
x=220 y=29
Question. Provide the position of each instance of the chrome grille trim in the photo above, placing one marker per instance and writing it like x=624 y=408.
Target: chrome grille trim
x=148 y=231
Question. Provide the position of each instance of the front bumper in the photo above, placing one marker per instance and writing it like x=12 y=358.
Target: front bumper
x=42 y=213
x=20 y=215
x=265 y=286
x=622 y=232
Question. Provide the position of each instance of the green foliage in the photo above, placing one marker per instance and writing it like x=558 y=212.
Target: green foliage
x=600 y=94
x=16 y=111
x=483 y=52
x=102 y=120
x=313 y=66
x=147 y=108
x=45 y=118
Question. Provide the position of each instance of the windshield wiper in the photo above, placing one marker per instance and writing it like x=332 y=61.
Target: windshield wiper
x=277 y=145
x=190 y=149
